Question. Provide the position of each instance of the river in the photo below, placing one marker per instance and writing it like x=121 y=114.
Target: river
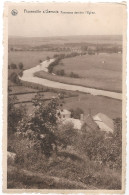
x=28 y=75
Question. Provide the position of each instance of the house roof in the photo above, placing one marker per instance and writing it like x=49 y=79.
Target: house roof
x=104 y=122
x=90 y=122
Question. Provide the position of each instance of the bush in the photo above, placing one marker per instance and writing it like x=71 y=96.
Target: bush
x=52 y=65
x=60 y=72
x=76 y=113
x=102 y=147
x=20 y=74
x=40 y=61
x=13 y=66
x=14 y=78
x=73 y=75
x=20 y=65
x=47 y=58
x=15 y=114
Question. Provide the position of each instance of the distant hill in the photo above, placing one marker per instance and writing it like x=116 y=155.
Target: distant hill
x=35 y=41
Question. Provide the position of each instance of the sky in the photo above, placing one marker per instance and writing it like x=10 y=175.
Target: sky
x=106 y=20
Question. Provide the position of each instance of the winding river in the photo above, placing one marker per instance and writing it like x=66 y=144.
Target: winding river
x=28 y=75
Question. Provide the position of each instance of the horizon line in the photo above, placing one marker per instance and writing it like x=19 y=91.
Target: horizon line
x=63 y=35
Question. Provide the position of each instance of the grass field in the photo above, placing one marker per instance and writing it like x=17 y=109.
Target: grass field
x=95 y=104
x=28 y=58
x=88 y=103
x=92 y=71
x=99 y=71
x=21 y=89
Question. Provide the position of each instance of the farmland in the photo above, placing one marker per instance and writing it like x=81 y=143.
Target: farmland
x=88 y=103
x=101 y=71
x=28 y=58
x=94 y=104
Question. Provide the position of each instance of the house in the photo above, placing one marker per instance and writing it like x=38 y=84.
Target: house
x=65 y=117
x=99 y=121
x=104 y=122
x=86 y=121
x=63 y=114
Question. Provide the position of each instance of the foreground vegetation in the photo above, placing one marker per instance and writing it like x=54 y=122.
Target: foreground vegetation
x=44 y=146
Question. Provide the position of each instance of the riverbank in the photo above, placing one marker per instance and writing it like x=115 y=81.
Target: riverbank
x=102 y=71
x=28 y=75
x=73 y=81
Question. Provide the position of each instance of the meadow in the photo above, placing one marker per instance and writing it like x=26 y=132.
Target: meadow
x=95 y=104
x=102 y=71
x=88 y=103
x=28 y=58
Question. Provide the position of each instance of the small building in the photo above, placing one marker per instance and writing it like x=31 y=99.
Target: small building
x=104 y=122
x=63 y=114
x=98 y=122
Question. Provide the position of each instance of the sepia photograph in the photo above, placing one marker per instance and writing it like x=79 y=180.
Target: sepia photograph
x=64 y=97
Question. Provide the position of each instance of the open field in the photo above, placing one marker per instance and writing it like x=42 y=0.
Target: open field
x=93 y=72
x=21 y=89
x=102 y=71
x=88 y=103
x=30 y=96
x=28 y=58
x=95 y=104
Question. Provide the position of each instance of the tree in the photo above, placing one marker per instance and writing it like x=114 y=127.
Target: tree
x=47 y=58
x=43 y=125
x=40 y=61
x=14 y=78
x=15 y=114
x=55 y=55
x=60 y=72
x=13 y=66
x=37 y=100
x=20 y=65
x=11 y=49
x=102 y=147
x=73 y=75
x=76 y=113
x=20 y=74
